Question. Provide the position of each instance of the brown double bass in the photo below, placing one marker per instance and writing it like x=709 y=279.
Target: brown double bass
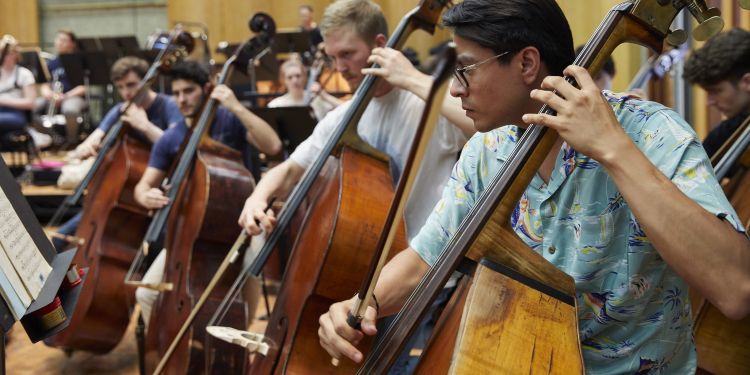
x=111 y=225
x=339 y=234
x=209 y=185
x=722 y=344
x=519 y=312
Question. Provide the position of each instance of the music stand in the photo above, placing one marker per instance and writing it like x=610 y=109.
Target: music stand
x=119 y=45
x=86 y=66
x=292 y=124
x=88 y=44
x=60 y=264
x=298 y=41
x=33 y=61
x=128 y=43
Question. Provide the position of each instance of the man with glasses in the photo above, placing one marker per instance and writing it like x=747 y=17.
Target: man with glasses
x=625 y=202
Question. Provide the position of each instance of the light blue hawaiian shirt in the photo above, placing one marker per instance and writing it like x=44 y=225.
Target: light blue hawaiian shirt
x=633 y=309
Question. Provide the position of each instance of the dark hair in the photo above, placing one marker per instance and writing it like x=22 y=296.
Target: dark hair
x=609 y=63
x=511 y=25
x=724 y=57
x=127 y=64
x=190 y=70
x=70 y=35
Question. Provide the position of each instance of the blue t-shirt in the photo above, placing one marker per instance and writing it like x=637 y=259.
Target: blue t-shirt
x=56 y=68
x=226 y=129
x=163 y=113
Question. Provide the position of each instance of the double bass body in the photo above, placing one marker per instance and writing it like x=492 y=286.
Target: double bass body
x=348 y=205
x=199 y=232
x=111 y=225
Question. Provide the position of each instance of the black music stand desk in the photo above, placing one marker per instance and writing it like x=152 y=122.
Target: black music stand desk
x=60 y=262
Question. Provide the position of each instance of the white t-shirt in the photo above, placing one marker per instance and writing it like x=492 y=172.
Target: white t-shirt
x=11 y=85
x=389 y=124
x=319 y=106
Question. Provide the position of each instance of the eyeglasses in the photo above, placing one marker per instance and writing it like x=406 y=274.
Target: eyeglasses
x=460 y=73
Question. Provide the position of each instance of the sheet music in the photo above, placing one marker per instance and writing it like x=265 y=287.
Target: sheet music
x=21 y=251
x=12 y=289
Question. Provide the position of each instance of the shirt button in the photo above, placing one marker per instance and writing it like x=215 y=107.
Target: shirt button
x=551 y=249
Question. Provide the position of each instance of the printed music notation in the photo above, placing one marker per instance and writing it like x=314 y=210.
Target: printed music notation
x=24 y=269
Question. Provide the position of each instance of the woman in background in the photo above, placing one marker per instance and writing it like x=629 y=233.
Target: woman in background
x=293 y=75
x=17 y=91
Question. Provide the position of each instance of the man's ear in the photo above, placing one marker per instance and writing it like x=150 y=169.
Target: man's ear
x=744 y=82
x=531 y=64
x=381 y=40
x=208 y=87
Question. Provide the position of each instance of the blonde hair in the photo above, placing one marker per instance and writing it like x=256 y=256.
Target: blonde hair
x=6 y=43
x=294 y=60
x=363 y=16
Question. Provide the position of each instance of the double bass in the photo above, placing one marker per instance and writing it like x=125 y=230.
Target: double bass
x=209 y=184
x=721 y=343
x=518 y=314
x=111 y=224
x=339 y=234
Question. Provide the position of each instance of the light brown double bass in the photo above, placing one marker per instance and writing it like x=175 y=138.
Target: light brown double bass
x=209 y=185
x=111 y=226
x=519 y=312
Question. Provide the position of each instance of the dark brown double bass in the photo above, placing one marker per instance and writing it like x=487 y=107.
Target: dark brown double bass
x=339 y=234
x=210 y=184
x=519 y=312
x=111 y=226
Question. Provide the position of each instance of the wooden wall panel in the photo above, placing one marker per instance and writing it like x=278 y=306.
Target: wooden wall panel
x=20 y=19
x=584 y=16
x=227 y=19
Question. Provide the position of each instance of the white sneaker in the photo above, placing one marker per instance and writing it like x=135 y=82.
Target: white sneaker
x=41 y=140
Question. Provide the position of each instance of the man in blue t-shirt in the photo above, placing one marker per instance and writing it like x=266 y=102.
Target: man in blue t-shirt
x=233 y=125
x=69 y=99
x=152 y=114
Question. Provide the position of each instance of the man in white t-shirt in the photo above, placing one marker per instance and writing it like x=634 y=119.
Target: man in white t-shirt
x=355 y=37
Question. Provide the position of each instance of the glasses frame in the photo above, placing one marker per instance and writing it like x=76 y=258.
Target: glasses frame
x=460 y=73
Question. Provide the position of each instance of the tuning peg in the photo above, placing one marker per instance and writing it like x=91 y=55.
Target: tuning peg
x=709 y=20
x=745 y=4
x=676 y=37
x=708 y=28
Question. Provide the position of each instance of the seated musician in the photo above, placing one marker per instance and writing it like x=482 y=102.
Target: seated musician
x=17 y=92
x=722 y=68
x=355 y=36
x=293 y=75
x=70 y=100
x=233 y=125
x=150 y=117
x=634 y=165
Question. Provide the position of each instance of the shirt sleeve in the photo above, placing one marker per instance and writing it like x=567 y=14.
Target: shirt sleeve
x=110 y=118
x=458 y=197
x=159 y=157
x=25 y=77
x=676 y=150
x=307 y=151
x=172 y=112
